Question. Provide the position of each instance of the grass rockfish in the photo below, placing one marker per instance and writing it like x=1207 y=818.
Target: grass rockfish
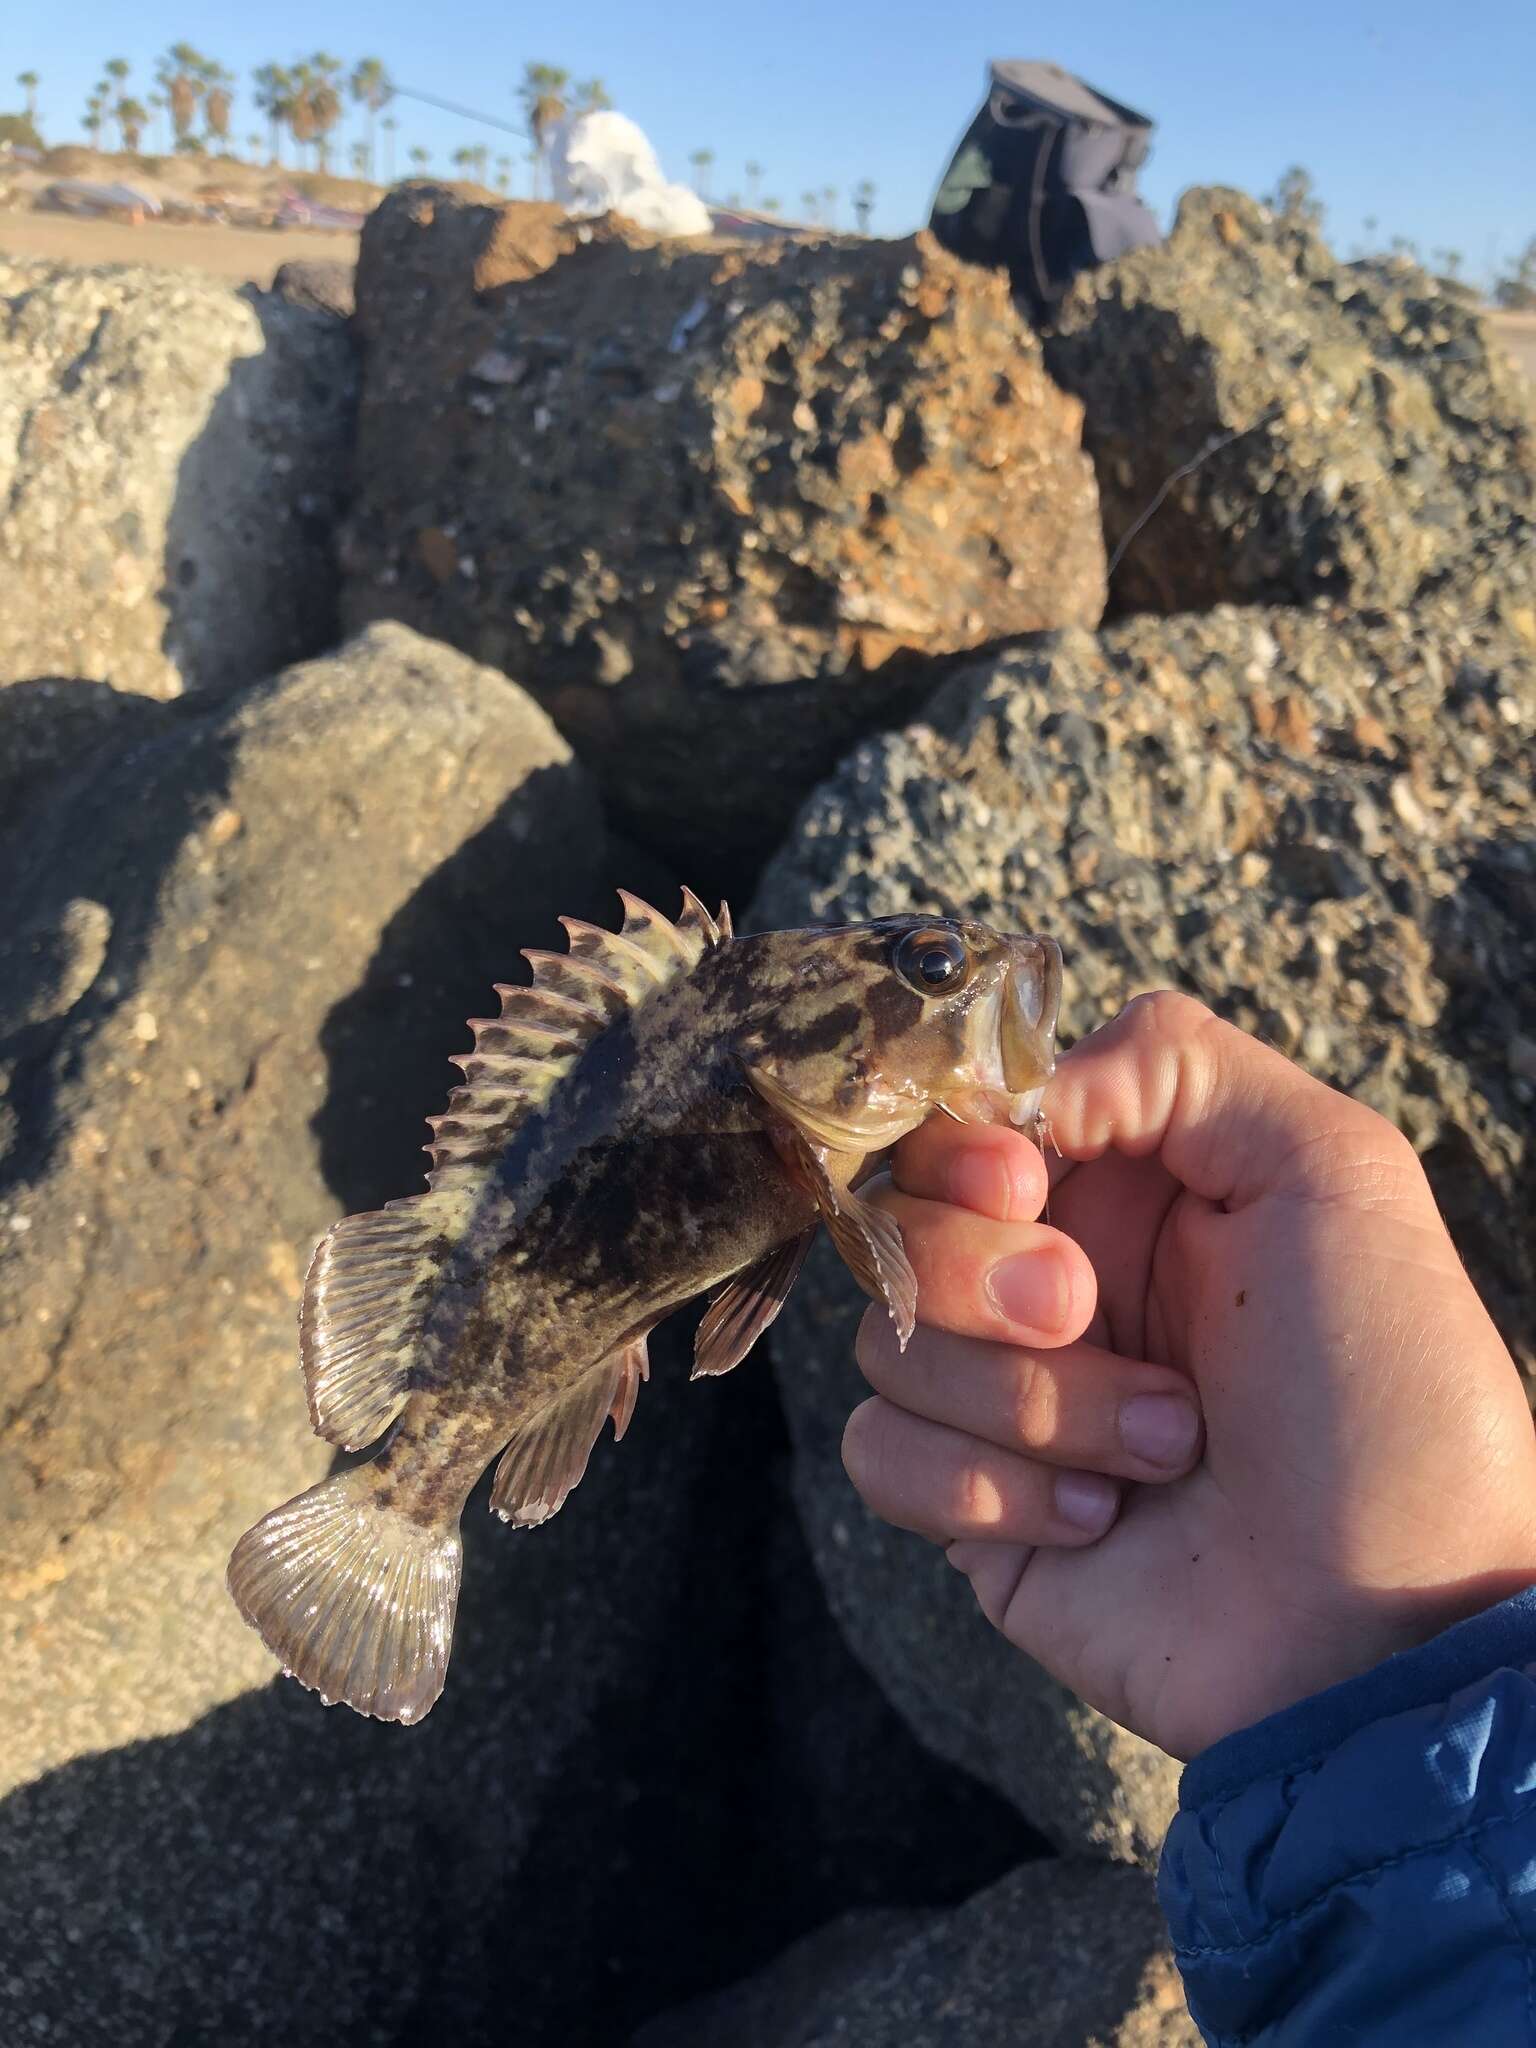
x=668 y=1110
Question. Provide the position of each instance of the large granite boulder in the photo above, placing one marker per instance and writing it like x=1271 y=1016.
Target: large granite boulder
x=174 y=453
x=1324 y=826
x=1057 y=1954
x=1289 y=426
x=719 y=507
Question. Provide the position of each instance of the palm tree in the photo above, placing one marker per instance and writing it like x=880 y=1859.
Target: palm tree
x=864 y=203
x=829 y=194
x=156 y=109
x=420 y=157
x=372 y=90
x=130 y=118
x=274 y=96
x=217 y=101
x=29 y=82
x=253 y=146
x=590 y=96
x=503 y=174
x=772 y=205
x=322 y=89
x=542 y=93
x=180 y=77
x=754 y=174
x=389 y=124
x=95 y=106
x=701 y=160
x=809 y=203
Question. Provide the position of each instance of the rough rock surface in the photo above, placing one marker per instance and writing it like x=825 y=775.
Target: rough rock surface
x=207 y=1050
x=1323 y=825
x=718 y=507
x=1058 y=1954
x=173 y=457
x=1383 y=443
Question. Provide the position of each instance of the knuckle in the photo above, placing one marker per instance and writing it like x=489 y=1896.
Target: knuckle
x=1165 y=1013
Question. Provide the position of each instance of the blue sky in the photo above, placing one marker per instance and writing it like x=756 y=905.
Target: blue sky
x=1417 y=114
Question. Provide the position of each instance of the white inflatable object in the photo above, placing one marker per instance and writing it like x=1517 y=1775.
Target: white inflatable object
x=603 y=161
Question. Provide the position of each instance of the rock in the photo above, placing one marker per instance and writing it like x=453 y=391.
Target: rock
x=721 y=508
x=322 y=287
x=173 y=457
x=1319 y=428
x=54 y=724
x=1059 y=1954
x=235 y=962
x=1133 y=795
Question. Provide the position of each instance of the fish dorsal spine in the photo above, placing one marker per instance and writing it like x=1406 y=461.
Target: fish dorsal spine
x=520 y=1058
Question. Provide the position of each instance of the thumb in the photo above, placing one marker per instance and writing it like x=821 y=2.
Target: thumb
x=1230 y=1118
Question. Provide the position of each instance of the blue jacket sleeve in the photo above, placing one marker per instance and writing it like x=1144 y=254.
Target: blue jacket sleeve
x=1361 y=1869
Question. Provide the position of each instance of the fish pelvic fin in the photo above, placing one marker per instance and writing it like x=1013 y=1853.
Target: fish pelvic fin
x=548 y=1456
x=746 y=1305
x=369 y=1286
x=354 y=1597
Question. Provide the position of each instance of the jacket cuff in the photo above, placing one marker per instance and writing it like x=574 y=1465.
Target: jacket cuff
x=1299 y=1737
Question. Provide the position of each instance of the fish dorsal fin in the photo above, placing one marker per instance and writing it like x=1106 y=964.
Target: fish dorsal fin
x=520 y=1058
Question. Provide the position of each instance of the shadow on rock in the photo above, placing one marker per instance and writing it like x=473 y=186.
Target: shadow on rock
x=655 y=1764
x=259 y=492
x=388 y=1043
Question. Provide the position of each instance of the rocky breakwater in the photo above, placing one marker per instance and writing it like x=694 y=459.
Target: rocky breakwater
x=721 y=509
x=174 y=454
x=1303 y=427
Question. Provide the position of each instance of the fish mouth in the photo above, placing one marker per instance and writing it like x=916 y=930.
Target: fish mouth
x=1016 y=1053
x=1031 y=1004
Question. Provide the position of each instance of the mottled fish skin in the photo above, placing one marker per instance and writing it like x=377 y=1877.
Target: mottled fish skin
x=707 y=1124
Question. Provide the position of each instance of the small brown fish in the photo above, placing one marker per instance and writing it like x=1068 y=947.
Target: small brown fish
x=668 y=1109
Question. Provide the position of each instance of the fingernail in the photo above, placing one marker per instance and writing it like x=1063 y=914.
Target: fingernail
x=1161 y=1428
x=1087 y=1501
x=1031 y=1289
x=979 y=1180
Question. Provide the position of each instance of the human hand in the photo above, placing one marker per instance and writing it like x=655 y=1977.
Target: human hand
x=1268 y=1254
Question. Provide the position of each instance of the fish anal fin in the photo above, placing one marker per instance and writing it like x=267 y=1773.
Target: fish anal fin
x=365 y=1298
x=549 y=1454
x=354 y=1597
x=746 y=1305
x=636 y=1367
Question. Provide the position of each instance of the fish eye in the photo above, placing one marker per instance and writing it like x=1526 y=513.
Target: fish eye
x=932 y=962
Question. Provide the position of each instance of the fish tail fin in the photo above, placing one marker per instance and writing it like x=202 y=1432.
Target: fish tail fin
x=352 y=1594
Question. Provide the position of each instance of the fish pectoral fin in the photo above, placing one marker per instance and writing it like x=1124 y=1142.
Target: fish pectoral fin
x=549 y=1454
x=365 y=1299
x=352 y=1595
x=868 y=1240
x=746 y=1305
